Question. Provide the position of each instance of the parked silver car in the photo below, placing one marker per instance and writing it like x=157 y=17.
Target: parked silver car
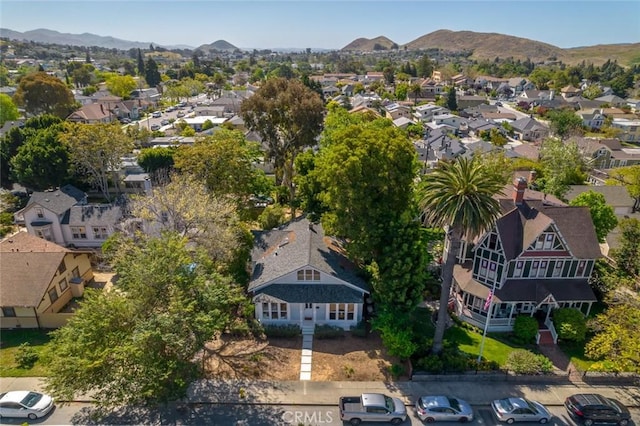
x=510 y=410
x=443 y=408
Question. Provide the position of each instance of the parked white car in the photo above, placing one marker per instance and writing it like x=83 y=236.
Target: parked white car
x=27 y=404
x=443 y=408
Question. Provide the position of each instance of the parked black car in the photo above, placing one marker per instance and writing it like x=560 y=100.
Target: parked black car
x=592 y=408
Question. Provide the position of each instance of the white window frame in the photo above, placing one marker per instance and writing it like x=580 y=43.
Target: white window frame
x=79 y=232
x=517 y=271
x=557 y=268
x=341 y=311
x=100 y=232
x=275 y=311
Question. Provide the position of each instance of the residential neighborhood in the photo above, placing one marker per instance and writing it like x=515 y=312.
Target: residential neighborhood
x=392 y=215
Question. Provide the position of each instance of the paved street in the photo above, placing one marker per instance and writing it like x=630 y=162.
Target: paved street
x=250 y=415
x=315 y=403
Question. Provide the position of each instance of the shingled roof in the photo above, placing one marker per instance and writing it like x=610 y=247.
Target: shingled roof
x=27 y=266
x=299 y=244
x=58 y=201
x=520 y=225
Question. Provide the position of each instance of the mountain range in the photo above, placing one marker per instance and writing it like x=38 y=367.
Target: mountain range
x=479 y=45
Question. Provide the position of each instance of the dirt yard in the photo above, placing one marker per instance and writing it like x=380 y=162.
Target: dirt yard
x=343 y=359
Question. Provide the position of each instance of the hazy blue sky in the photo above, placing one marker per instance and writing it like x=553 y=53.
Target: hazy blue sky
x=327 y=24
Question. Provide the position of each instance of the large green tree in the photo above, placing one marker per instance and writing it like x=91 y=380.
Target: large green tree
x=288 y=117
x=367 y=172
x=565 y=123
x=627 y=255
x=157 y=160
x=121 y=85
x=16 y=137
x=97 y=151
x=616 y=341
x=459 y=197
x=630 y=178
x=562 y=165
x=43 y=161
x=8 y=109
x=151 y=73
x=603 y=216
x=225 y=163
x=139 y=345
x=40 y=93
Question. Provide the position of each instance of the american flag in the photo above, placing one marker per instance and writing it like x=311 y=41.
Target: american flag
x=488 y=301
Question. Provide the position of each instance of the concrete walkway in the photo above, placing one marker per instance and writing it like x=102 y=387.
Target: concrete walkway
x=307 y=352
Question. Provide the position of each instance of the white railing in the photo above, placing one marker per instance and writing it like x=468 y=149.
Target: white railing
x=552 y=329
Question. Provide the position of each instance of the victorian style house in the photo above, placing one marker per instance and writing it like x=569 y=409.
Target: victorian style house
x=538 y=257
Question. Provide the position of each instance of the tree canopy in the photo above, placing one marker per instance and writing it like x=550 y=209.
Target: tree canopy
x=562 y=165
x=97 y=151
x=43 y=161
x=8 y=109
x=225 y=163
x=616 y=341
x=367 y=172
x=602 y=214
x=41 y=93
x=139 y=344
x=288 y=117
x=565 y=122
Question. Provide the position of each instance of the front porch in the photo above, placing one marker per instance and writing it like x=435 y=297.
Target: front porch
x=308 y=315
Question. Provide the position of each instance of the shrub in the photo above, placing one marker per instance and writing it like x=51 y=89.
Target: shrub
x=328 y=332
x=570 y=324
x=290 y=330
x=396 y=370
x=6 y=219
x=359 y=330
x=525 y=329
x=430 y=364
x=272 y=217
x=26 y=356
x=522 y=361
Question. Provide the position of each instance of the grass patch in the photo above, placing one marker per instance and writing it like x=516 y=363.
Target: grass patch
x=10 y=343
x=575 y=352
x=468 y=341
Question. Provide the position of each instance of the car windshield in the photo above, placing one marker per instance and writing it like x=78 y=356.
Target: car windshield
x=531 y=405
x=389 y=404
x=615 y=405
x=31 y=399
x=454 y=404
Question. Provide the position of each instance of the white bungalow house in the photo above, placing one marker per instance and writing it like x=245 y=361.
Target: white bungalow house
x=301 y=276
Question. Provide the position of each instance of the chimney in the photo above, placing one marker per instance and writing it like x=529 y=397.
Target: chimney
x=532 y=176
x=518 y=190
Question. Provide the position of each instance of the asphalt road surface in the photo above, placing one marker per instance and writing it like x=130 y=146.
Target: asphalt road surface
x=247 y=415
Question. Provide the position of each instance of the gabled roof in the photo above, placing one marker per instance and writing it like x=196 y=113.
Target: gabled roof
x=58 y=201
x=94 y=214
x=520 y=225
x=527 y=123
x=615 y=195
x=296 y=245
x=28 y=265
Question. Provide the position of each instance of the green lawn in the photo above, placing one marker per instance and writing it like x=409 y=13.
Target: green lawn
x=9 y=347
x=468 y=341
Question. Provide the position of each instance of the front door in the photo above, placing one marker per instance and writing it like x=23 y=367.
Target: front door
x=308 y=311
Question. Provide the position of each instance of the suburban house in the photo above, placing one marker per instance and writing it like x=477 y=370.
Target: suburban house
x=607 y=153
x=64 y=217
x=629 y=129
x=538 y=257
x=616 y=196
x=592 y=119
x=93 y=113
x=301 y=276
x=38 y=279
x=528 y=129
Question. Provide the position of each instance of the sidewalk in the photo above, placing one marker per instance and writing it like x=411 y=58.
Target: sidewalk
x=327 y=393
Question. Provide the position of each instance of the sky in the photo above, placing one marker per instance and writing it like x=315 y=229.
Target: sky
x=327 y=24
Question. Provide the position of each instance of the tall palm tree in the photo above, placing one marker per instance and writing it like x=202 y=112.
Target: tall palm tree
x=458 y=196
